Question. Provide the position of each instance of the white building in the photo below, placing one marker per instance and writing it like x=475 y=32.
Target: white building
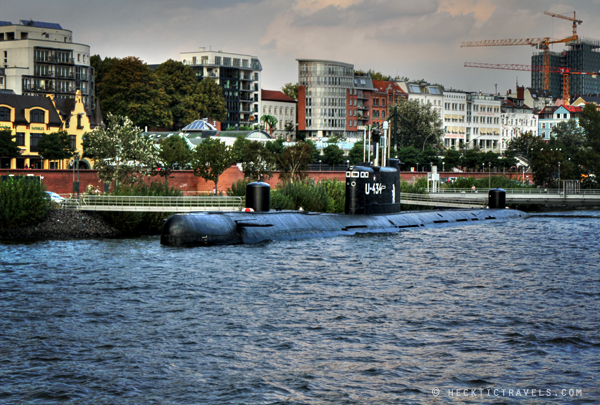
x=516 y=121
x=283 y=108
x=425 y=93
x=455 y=118
x=239 y=77
x=483 y=117
x=40 y=58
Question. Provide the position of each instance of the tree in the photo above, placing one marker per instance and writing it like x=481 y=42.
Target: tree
x=174 y=154
x=101 y=67
x=419 y=126
x=270 y=121
x=544 y=164
x=211 y=158
x=9 y=148
x=570 y=135
x=525 y=143
x=257 y=161
x=130 y=89
x=409 y=155
x=181 y=88
x=356 y=154
x=451 y=159
x=290 y=90
x=333 y=155
x=212 y=101
x=472 y=159
x=590 y=122
x=120 y=151
x=429 y=157
x=294 y=161
x=55 y=146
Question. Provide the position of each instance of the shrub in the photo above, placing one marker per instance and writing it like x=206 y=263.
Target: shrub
x=141 y=223
x=238 y=189
x=22 y=201
x=305 y=194
x=336 y=190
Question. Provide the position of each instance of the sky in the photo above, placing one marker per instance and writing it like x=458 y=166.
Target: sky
x=418 y=39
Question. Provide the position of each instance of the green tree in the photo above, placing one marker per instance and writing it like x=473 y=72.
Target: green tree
x=101 y=67
x=409 y=155
x=120 y=151
x=590 y=122
x=211 y=158
x=290 y=90
x=545 y=166
x=131 y=89
x=55 y=146
x=356 y=154
x=180 y=86
x=429 y=157
x=451 y=159
x=333 y=155
x=524 y=144
x=472 y=159
x=275 y=147
x=294 y=161
x=257 y=161
x=314 y=152
x=174 y=153
x=420 y=125
x=212 y=101
x=9 y=148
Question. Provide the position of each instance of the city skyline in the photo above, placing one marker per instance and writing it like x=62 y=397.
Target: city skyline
x=397 y=38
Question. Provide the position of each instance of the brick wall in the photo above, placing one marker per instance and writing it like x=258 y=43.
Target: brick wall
x=61 y=181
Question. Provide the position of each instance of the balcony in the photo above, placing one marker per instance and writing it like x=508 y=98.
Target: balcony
x=55 y=61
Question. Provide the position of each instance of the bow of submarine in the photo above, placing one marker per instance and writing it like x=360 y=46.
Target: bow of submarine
x=199 y=229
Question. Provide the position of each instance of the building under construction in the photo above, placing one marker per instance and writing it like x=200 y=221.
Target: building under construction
x=582 y=55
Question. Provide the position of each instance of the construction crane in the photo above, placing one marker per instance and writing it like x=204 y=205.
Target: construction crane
x=539 y=43
x=566 y=72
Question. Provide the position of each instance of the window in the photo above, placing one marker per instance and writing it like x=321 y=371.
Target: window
x=20 y=138
x=33 y=142
x=37 y=116
x=4 y=114
x=73 y=141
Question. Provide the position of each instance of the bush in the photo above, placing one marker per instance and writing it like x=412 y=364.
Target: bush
x=22 y=201
x=141 y=223
x=305 y=194
x=336 y=190
x=238 y=189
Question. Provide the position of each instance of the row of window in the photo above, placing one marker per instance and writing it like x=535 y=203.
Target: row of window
x=273 y=110
x=35 y=116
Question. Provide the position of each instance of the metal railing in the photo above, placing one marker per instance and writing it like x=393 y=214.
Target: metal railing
x=523 y=190
x=462 y=201
x=154 y=203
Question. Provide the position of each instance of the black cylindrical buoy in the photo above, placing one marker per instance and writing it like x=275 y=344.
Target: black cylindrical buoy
x=497 y=198
x=258 y=196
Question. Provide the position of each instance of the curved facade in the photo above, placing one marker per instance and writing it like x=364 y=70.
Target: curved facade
x=322 y=93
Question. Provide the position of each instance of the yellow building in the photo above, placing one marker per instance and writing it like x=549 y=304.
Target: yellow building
x=29 y=117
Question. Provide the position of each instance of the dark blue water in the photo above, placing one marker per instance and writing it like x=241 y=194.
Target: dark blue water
x=373 y=319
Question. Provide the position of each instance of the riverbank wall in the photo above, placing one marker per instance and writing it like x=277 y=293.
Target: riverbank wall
x=61 y=181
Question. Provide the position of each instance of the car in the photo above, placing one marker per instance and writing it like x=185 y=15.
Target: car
x=55 y=198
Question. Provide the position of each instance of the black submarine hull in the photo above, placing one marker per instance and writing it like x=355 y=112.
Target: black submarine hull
x=224 y=228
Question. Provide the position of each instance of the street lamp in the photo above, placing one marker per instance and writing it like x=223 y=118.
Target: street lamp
x=347 y=163
x=489 y=175
x=319 y=164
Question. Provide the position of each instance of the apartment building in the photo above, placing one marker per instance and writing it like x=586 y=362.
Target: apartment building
x=553 y=115
x=516 y=120
x=238 y=75
x=483 y=117
x=385 y=94
x=40 y=59
x=456 y=126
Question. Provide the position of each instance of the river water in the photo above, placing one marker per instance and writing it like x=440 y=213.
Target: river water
x=487 y=313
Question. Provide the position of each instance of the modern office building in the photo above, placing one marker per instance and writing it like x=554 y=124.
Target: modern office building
x=582 y=55
x=40 y=59
x=456 y=127
x=239 y=77
x=323 y=87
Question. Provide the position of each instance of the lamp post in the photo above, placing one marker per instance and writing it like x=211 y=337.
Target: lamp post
x=347 y=163
x=489 y=175
x=319 y=164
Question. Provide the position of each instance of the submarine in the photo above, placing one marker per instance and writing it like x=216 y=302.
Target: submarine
x=372 y=206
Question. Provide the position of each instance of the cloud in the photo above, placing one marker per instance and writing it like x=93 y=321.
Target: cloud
x=482 y=10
